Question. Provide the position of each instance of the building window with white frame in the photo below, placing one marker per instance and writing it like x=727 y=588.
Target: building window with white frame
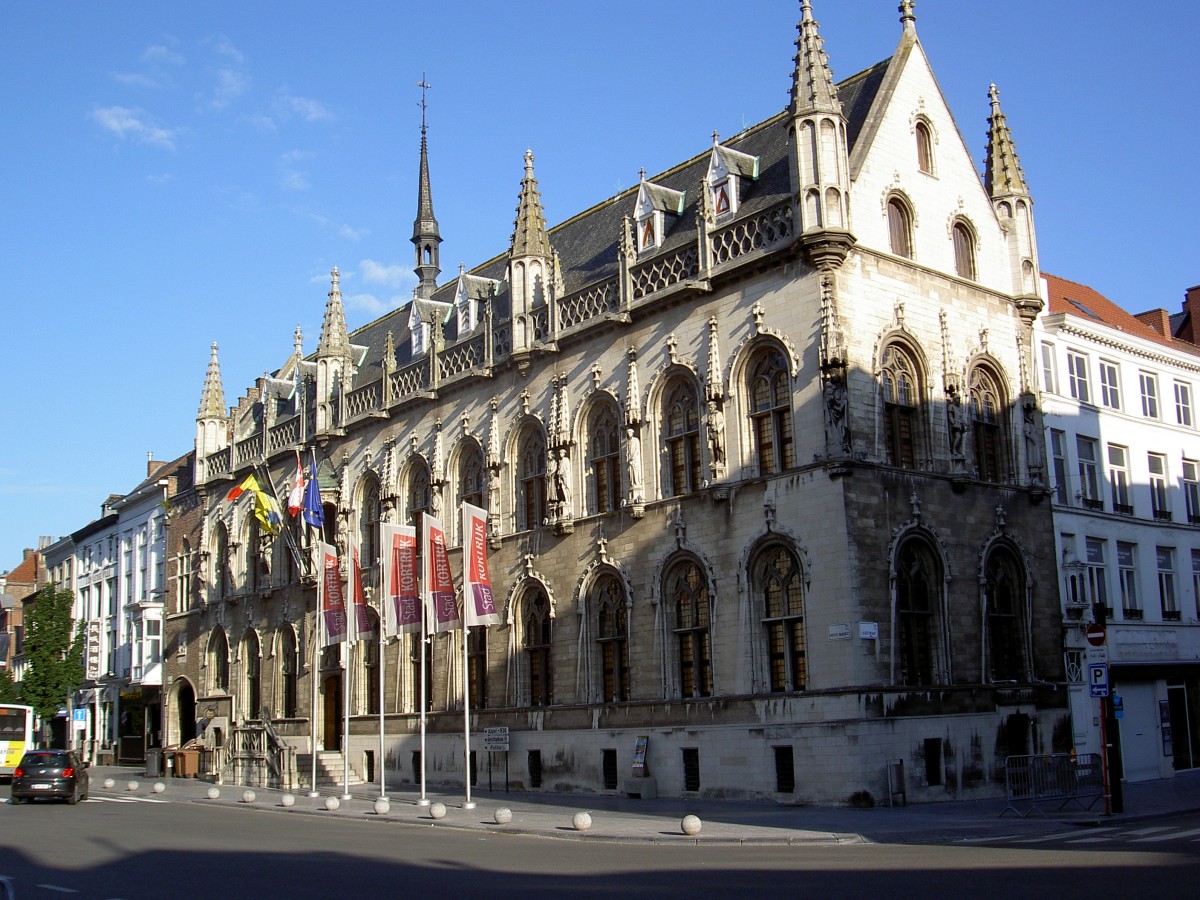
x=1097 y=573
x=1110 y=384
x=1166 y=583
x=964 y=250
x=1077 y=376
x=1058 y=452
x=1089 y=480
x=1183 y=404
x=1158 y=487
x=924 y=148
x=1191 y=490
x=1049 y=369
x=1149 y=386
x=1131 y=607
x=1118 y=479
x=899 y=228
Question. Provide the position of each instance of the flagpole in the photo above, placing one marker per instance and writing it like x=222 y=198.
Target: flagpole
x=312 y=785
x=347 y=655
x=423 y=579
x=382 y=664
x=469 y=804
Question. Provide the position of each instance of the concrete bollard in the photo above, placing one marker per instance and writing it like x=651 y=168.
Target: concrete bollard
x=691 y=825
x=288 y=800
x=132 y=786
x=249 y=796
x=582 y=821
x=110 y=783
x=503 y=815
x=159 y=787
x=382 y=806
x=214 y=793
x=437 y=810
x=332 y=803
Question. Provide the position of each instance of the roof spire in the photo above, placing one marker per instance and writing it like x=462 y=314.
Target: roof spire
x=334 y=340
x=212 y=397
x=1002 y=174
x=812 y=81
x=529 y=230
x=908 y=18
x=426 y=236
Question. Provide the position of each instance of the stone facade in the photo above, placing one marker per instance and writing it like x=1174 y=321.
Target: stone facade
x=751 y=437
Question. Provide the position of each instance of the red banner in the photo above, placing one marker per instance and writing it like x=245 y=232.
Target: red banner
x=439 y=583
x=403 y=598
x=479 y=604
x=362 y=615
x=333 y=601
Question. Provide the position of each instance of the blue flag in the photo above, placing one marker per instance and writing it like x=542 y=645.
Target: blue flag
x=314 y=513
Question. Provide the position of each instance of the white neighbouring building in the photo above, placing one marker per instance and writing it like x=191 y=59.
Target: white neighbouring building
x=1119 y=399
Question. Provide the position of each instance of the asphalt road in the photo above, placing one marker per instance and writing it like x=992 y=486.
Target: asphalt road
x=176 y=849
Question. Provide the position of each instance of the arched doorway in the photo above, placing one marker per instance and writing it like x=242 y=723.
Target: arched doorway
x=332 y=689
x=183 y=725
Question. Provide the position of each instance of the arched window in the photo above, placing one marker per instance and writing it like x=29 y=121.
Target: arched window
x=536 y=622
x=218 y=662
x=771 y=411
x=778 y=580
x=222 y=576
x=289 y=668
x=604 y=455
x=964 y=250
x=899 y=228
x=686 y=590
x=251 y=556
x=252 y=666
x=183 y=583
x=612 y=638
x=918 y=613
x=531 y=486
x=924 y=148
x=1004 y=585
x=901 y=390
x=368 y=522
x=471 y=475
x=987 y=424
x=681 y=432
x=370 y=667
x=420 y=490
x=477 y=637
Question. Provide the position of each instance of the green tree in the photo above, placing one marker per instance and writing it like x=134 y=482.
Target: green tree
x=8 y=688
x=53 y=651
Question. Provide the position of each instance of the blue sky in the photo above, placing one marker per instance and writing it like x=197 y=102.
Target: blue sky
x=182 y=173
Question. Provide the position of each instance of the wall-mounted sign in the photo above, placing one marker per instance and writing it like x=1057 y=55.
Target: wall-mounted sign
x=839 y=632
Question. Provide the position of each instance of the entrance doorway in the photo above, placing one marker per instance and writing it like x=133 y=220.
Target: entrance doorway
x=333 y=712
x=185 y=714
x=1183 y=719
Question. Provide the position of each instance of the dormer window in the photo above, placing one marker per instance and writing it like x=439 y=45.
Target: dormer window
x=418 y=329
x=730 y=172
x=657 y=207
x=469 y=296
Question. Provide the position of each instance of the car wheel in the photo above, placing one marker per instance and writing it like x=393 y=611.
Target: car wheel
x=17 y=801
x=73 y=798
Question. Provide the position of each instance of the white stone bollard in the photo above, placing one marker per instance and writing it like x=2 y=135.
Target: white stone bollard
x=437 y=810
x=110 y=783
x=582 y=821
x=332 y=803
x=214 y=793
x=249 y=796
x=159 y=787
x=288 y=800
x=382 y=806
x=132 y=786
x=691 y=825
x=503 y=815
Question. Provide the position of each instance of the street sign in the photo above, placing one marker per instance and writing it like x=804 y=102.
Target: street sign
x=1095 y=635
x=495 y=740
x=1098 y=679
x=1097 y=654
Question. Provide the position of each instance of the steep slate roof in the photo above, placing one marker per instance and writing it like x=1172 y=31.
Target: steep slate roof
x=1062 y=291
x=587 y=243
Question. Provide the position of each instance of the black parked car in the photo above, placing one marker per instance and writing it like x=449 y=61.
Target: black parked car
x=50 y=773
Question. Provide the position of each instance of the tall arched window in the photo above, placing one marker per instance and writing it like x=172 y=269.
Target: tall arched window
x=221 y=576
x=987 y=424
x=183 y=584
x=420 y=490
x=251 y=556
x=964 y=250
x=218 y=662
x=604 y=458
x=252 y=666
x=686 y=589
x=370 y=667
x=477 y=638
x=924 y=148
x=779 y=581
x=901 y=390
x=472 y=479
x=681 y=432
x=918 y=613
x=899 y=228
x=1004 y=585
x=771 y=411
x=536 y=622
x=531 y=472
x=289 y=668
x=612 y=638
x=368 y=522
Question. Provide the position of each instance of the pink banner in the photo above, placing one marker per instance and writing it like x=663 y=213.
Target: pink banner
x=333 y=601
x=439 y=583
x=400 y=580
x=479 y=604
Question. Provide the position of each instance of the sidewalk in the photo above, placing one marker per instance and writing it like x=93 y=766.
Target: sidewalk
x=617 y=818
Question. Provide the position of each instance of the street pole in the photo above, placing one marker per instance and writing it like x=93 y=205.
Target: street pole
x=1110 y=735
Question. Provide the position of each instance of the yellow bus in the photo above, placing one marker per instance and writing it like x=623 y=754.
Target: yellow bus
x=16 y=736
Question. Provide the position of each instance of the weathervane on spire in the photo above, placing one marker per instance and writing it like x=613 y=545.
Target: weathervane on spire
x=424 y=86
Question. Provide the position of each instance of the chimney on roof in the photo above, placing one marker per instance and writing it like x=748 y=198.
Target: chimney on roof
x=1158 y=319
x=1190 y=328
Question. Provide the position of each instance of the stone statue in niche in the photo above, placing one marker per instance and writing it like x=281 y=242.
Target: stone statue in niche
x=836 y=404
x=956 y=418
x=633 y=467
x=716 y=435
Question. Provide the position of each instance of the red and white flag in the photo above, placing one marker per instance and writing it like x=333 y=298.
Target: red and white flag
x=362 y=615
x=479 y=604
x=440 y=602
x=402 y=599
x=296 y=494
x=333 y=600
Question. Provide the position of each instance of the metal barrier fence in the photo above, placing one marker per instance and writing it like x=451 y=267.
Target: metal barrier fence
x=1059 y=777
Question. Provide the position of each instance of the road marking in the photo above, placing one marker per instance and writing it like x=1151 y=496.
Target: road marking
x=1096 y=840
x=124 y=800
x=61 y=890
x=1149 y=830
x=1173 y=836
x=1059 y=835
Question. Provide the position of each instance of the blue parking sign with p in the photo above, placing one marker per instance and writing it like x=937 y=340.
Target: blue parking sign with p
x=1098 y=679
